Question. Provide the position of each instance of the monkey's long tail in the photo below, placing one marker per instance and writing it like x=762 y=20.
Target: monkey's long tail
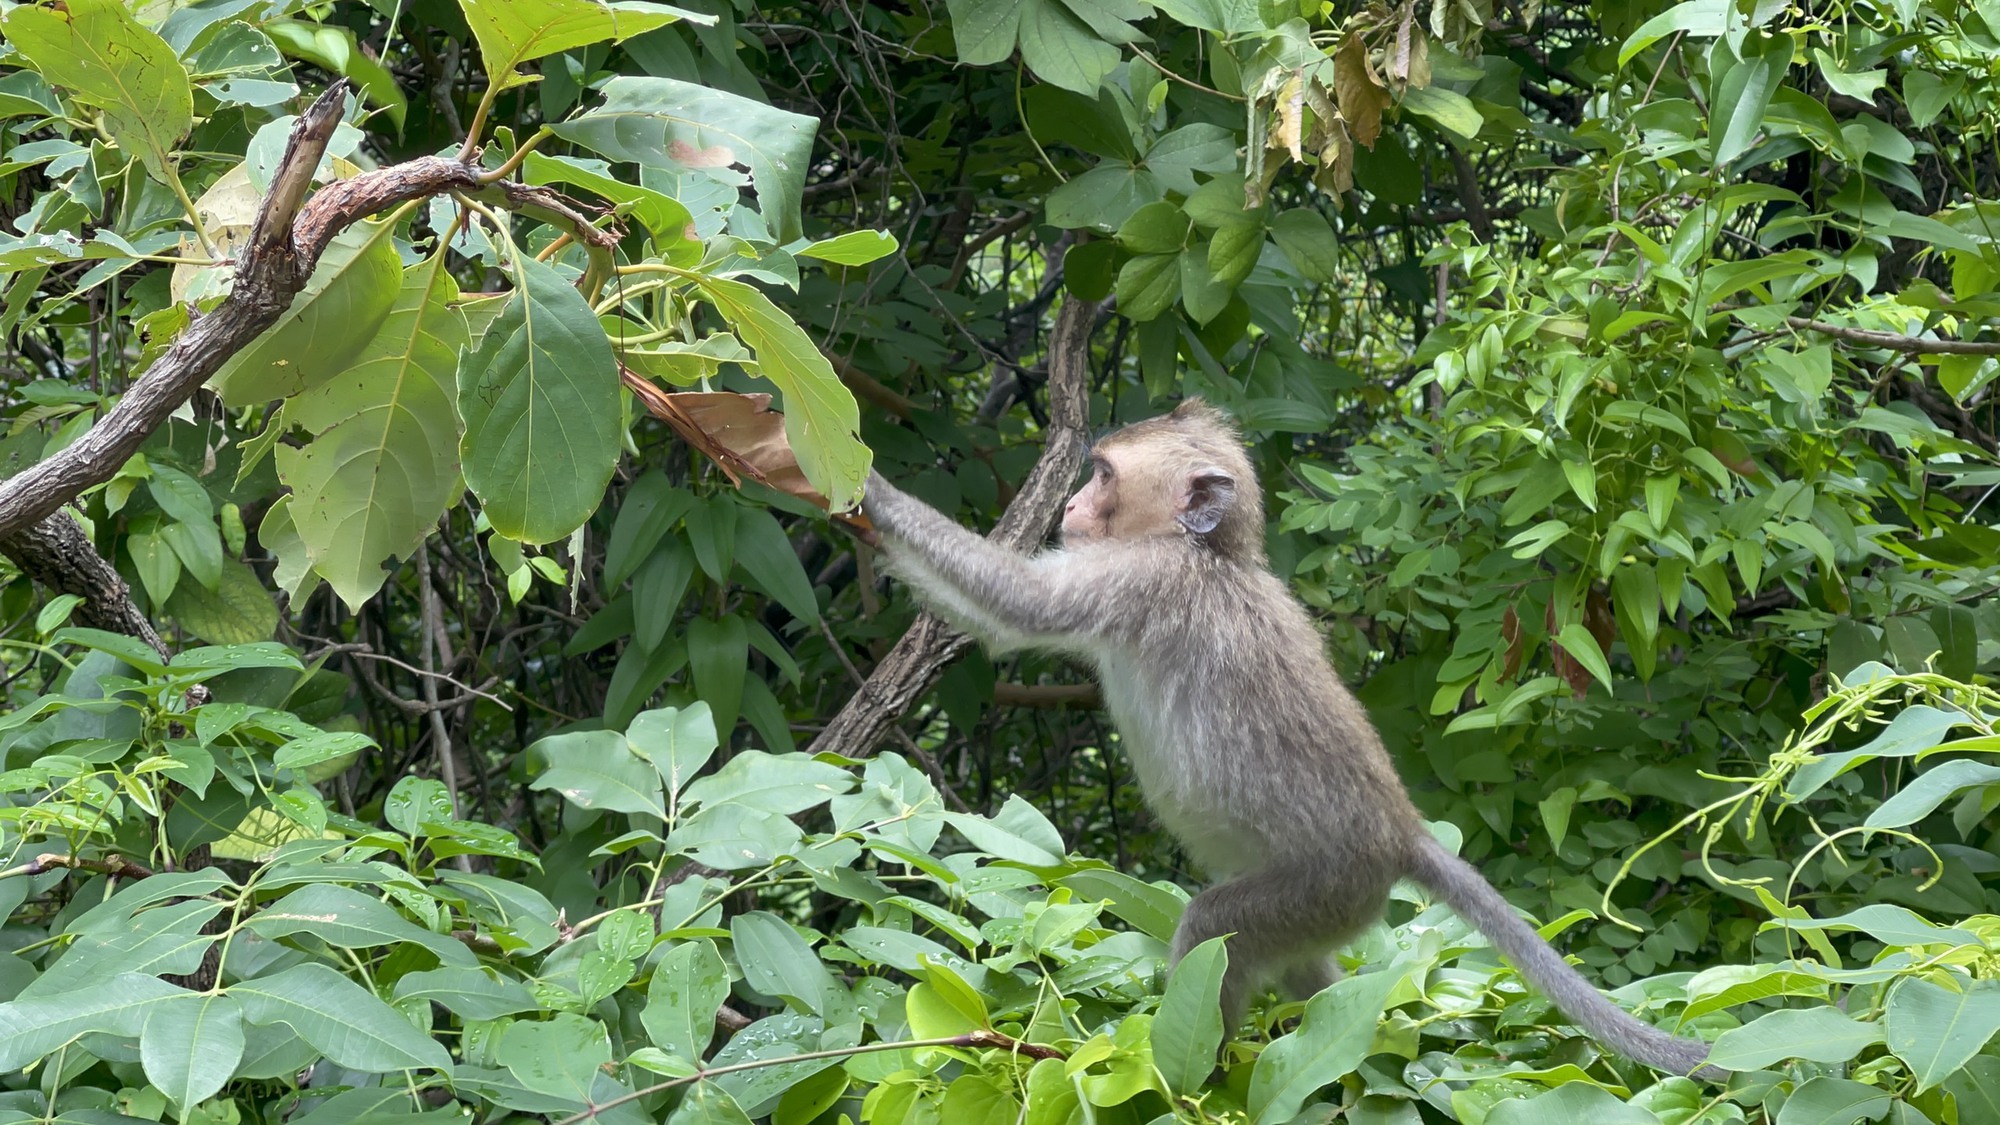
x=1465 y=890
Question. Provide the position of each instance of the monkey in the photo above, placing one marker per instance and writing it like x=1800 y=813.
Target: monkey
x=1248 y=747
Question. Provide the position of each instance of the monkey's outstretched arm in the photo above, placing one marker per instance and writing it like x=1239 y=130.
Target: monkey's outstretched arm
x=1009 y=600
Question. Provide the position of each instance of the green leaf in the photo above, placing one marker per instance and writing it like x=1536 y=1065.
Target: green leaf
x=1148 y=285
x=119 y=1004
x=1332 y=1039
x=1825 y=1100
x=331 y=323
x=1920 y=797
x=690 y=984
x=382 y=466
x=1740 y=90
x=1825 y=1035
x=1572 y=1103
x=1102 y=198
x=782 y=784
x=596 y=769
x=190 y=1047
x=102 y=56
x=1202 y=294
x=649 y=509
x=542 y=415
x=678 y=741
x=1188 y=1028
x=984 y=30
x=855 y=248
x=344 y=917
x=681 y=127
x=1307 y=240
x=1156 y=228
x=719 y=656
x=1447 y=109
x=822 y=421
x=239 y=610
x=776 y=961
x=1233 y=251
x=334 y=49
x=1153 y=910
x=511 y=32
x=559 y=1056
x=1018 y=832
x=1697 y=18
x=763 y=549
x=1578 y=642
x=1935 y=1029
x=473 y=993
x=342 y=1020
x=1201 y=147
x=1061 y=49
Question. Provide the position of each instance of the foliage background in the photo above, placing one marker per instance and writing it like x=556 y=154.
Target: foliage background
x=1620 y=372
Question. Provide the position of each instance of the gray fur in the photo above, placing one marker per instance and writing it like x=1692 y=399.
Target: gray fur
x=1247 y=745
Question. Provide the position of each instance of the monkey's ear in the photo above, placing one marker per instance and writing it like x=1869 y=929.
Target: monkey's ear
x=1206 y=497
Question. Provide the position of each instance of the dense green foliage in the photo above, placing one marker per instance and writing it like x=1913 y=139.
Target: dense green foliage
x=1622 y=378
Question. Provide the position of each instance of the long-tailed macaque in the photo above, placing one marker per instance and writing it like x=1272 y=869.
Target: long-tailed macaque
x=1247 y=746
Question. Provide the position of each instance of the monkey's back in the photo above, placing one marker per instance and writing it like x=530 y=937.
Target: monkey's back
x=1226 y=701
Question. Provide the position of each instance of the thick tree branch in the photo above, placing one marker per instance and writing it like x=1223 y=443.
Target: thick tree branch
x=921 y=656
x=59 y=556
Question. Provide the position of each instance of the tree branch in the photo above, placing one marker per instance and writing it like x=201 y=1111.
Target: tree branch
x=284 y=247
x=1895 y=342
x=59 y=557
x=921 y=656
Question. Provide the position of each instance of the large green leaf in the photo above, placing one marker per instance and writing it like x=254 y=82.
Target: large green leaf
x=1332 y=1039
x=560 y=1056
x=1741 y=89
x=678 y=126
x=1062 y=49
x=1826 y=1035
x=103 y=56
x=342 y=1020
x=383 y=462
x=678 y=741
x=474 y=993
x=540 y=404
x=1188 y=1027
x=1936 y=1029
x=345 y=302
x=118 y=1004
x=344 y=917
x=191 y=1045
x=777 y=961
x=782 y=784
x=690 y=984
x=596 y=769
x=822 y=422
x=511 y=32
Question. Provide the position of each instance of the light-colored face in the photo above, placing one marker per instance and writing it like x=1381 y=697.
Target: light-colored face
x=1126 y=497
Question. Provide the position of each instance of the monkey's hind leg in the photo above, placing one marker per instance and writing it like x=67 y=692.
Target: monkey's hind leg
x=1279 y=919
x=1306 y=978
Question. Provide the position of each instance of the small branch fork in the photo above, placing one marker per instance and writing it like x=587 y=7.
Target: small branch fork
x=285 y=244
x=921 y=656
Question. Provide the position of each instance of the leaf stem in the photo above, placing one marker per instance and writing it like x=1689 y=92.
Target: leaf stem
x=976 y=1039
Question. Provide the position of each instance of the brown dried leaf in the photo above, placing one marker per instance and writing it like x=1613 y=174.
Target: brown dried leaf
x=739 y=432
x=1361 y=96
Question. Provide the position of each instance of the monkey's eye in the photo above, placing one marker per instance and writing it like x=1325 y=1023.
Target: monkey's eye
x=1100 y=469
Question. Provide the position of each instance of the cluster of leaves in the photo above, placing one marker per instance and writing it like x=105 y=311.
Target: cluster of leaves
x=950 y=967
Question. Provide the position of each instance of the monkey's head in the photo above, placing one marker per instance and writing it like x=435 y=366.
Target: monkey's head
x=1182 y=475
